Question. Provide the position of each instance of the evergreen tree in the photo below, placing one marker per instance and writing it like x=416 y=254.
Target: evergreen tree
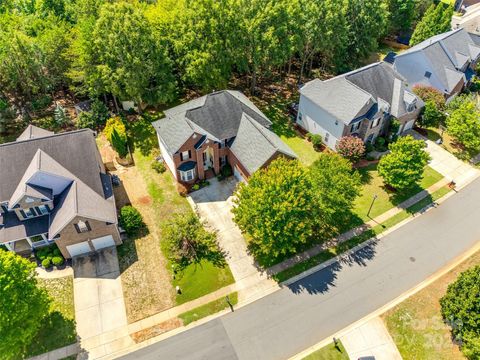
x=435 y=21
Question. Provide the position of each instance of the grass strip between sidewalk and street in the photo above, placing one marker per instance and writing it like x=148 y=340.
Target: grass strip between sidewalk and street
x=329 y=352
x=208 y=309
x=366 y=235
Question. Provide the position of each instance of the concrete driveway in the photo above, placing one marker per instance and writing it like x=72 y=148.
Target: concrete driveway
x=98 y=296
x=213 y=204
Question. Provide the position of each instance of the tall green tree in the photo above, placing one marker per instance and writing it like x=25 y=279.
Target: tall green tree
x=402 y=14
x=436 y=20
x=461 y=310
x=367 y=22
x=276 y=208
x=23 y=305
x=463 y=124
x=403 y=167
x=335 y=188
x=128 y=60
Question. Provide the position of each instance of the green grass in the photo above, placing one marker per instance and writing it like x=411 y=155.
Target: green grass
x=373 y=185
x=368 y=234
x=329 y=352
x=276 y=110
x=58 y=328
x=199 y=280
x=196 y=280
x=210 y=308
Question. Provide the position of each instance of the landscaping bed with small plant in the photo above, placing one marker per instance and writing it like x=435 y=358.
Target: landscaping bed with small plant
x=49 y=256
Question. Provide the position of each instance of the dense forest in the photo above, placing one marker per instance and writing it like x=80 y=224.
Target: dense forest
x=152 y=51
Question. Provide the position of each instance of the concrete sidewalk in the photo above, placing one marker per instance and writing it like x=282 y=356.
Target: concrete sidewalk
x=370 y=339
x=446 y=163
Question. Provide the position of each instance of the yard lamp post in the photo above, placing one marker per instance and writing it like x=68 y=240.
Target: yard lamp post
x=371 y=205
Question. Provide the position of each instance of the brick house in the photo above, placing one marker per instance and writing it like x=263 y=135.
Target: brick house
x=54 y=189
x=198 y=138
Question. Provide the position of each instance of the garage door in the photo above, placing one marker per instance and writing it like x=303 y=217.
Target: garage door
x=409 y=125
x=238 y=174
x=79 y=249
x=103 y=242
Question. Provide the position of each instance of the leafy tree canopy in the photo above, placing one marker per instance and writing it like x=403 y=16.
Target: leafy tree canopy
x=403 y=167
x=436 y=20
x=461 y=310
x=23 y=305
x=463 y=123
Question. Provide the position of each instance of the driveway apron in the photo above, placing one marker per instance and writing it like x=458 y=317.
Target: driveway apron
x=98 y=295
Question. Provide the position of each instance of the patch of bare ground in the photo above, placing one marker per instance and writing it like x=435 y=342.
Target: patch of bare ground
x=156 y=330
x=416 y=324
x=145 y=279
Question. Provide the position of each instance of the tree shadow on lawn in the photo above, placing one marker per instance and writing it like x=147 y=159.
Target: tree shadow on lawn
x=55 y=332
x=321 y=281
x=142 y=135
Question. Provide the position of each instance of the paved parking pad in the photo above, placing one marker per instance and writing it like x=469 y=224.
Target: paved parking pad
x=99 y=305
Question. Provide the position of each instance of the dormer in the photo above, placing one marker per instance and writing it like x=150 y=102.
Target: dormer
x=410 y=101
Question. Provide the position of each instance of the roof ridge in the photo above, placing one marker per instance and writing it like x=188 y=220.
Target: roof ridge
x=46 y=137
x=253 y=121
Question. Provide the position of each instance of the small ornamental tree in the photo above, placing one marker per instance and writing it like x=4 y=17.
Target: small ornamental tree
x=116 y=134
x=335 y=187
x=189 y=242
x=60 y=115
x=432 y=116
x=403 y=167
x=461 y=310
x=430 y=94
x=131 y=220
x=464 y=125
x=276 y=208
x=23 y=305
x=351 y=148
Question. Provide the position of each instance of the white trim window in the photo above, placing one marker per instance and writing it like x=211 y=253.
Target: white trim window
x=27 y=213
x=375 y=123
x=43 y=209
x=185 y=155
x=188 y=175
x=355 y=126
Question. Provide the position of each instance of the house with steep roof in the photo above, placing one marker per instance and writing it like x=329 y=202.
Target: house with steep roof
x=359 y=103
x=54 y=189
x=201 y=136
x=445 y=61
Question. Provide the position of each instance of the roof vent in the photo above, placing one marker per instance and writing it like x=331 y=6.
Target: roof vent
x=428 y=74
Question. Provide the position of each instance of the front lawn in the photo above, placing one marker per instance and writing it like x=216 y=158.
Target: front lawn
x=147 y=275
x=208 y=309
x=58 y=328
x=416 y=324
x=386 y=199
x=329 y=352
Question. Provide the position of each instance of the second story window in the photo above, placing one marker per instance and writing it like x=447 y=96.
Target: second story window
x=355 y=127
x=27 y=213
x=375 y=123
x=82 y=226
x=185 y=155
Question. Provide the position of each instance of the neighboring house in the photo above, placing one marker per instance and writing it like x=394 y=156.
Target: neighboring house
x=464 y=5
x=199 y=137
x=359 y=103
x=54 y=189
x=468 y=19
x=444 y=61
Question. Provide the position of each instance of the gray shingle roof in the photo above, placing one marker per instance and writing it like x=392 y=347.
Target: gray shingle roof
x=352 y=95
x=254 y=144
x=11 y=228
x=76 y=151
x=34 y=132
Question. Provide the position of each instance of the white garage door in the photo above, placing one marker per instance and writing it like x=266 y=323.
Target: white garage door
x=79 y=249
x=237 y=174
x=103 y=242
x=409 y=125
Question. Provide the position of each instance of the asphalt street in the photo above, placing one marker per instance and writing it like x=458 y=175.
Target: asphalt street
x=312 y=309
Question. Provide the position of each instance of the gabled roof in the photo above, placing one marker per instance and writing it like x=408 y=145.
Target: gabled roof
x=353 y=95
x=443 y=56
x=79 y=200
x=216 y=115
x=33 y=132
x=254 y=144
x=76 y=151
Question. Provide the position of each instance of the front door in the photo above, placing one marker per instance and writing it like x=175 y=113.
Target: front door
x=208 y=158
